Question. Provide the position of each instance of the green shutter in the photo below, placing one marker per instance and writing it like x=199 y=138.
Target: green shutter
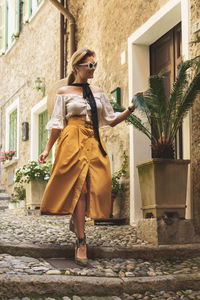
x=13 y=131
x=43 y=133
x=27 y=10
x=2 y=27
x=6 y=24
x=17 y=17
x=38 y=2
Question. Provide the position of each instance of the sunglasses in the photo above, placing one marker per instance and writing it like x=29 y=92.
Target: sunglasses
x=90 y=65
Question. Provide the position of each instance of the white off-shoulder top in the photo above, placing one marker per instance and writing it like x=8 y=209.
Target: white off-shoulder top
x=67 y=105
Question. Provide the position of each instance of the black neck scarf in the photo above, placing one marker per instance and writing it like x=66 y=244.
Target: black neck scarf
x=87 y=94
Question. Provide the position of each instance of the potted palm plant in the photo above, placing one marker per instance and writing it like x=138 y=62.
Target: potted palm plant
x=163 y=179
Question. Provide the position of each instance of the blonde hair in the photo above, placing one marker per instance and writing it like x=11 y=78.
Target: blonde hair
x=78 y=57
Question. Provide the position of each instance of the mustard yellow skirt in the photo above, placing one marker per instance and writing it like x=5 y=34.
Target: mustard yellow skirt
x=78 y=158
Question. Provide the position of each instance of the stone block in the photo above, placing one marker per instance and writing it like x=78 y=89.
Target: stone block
x=167 y=231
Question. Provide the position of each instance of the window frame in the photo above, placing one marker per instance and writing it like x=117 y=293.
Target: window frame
x=4 y=26
x=40 y=107
x=41 y=115
x=11 y=108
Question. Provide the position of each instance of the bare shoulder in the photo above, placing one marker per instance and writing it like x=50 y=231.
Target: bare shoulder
x=96 y=89
x=64 y=90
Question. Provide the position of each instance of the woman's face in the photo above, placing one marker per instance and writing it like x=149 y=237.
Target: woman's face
x=83 y=71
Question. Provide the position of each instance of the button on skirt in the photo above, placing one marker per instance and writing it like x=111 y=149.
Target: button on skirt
x=78 y=158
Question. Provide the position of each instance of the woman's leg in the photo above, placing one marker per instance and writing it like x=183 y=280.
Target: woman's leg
x=79 y=220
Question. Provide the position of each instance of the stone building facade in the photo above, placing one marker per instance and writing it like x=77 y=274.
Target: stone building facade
x=195 y=121
x=121 y=33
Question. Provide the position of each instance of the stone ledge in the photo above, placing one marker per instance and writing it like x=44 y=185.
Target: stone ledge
x=39 y=285
x=10 y=163
x=145 y=252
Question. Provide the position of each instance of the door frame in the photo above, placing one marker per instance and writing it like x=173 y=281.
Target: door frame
x=169 y=15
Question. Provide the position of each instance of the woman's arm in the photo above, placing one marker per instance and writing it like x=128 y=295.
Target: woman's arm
x=123 y=115
x=53 y=137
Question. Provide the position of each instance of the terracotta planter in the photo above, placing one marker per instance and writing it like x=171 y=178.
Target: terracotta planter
x=163 y=184
x=34 y=192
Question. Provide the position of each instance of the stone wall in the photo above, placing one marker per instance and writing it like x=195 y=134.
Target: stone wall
x=34 y=54
x=195 y=137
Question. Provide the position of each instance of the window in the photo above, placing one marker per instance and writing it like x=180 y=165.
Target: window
x=43 y=134
x=39 y=134
x=9 y=23
x=12 y=127
x=30 y=9
x=3 y=26
x=10 y=19
x=13 y=20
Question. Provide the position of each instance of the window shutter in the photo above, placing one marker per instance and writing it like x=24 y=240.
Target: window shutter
x=2 y=26
x=17 y=17
x=38 y=2
x=30 y=8
x=13 y=131
x=6 y=25
x=43 y=133
x=27 y=10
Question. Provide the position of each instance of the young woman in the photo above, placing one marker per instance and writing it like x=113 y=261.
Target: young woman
x=80 y=181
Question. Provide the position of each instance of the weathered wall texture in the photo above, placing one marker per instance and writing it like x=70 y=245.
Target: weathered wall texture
x=195 y=137
x=35 y=54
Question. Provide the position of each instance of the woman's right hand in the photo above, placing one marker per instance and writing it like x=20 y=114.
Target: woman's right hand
x=42 y=156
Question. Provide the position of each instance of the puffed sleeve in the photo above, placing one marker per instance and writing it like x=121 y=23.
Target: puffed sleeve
x=58 y=115
x=107 y=114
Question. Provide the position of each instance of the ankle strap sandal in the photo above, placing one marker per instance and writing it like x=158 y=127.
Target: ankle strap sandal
x=80 y=241
x=80 y=261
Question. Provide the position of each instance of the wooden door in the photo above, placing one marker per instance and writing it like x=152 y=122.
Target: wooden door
x=165 y=55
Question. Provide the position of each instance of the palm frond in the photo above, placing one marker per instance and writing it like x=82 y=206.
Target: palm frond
x=176 y=94
x=141 y=104
x=157 y=102
x=188 y=99
x=137 y=122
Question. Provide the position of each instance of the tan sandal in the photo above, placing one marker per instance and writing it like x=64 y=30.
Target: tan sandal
x=80 y=261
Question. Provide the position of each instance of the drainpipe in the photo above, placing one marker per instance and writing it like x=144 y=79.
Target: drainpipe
x=62 y=43
x=70 y=18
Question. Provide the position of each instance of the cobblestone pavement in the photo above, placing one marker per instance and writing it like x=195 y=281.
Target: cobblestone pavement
x=162 y=295
x=116 y=267
x=54 y=230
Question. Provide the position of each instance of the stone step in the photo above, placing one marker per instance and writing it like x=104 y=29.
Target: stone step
x=137 y=251
x=3 y=207
x=12 y=285
x=7 y=197
x=2 y=190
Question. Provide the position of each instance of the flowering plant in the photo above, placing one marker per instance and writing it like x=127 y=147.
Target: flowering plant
x=33 y=170
x=7 y=155
x=13 y=199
